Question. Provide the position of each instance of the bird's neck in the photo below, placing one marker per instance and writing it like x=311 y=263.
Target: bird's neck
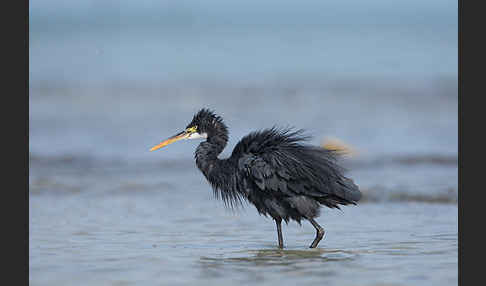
x=207 y=153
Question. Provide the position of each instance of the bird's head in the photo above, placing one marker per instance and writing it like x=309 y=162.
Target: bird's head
x=204 y=124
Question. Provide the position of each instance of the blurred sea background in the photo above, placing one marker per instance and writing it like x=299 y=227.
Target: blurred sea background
x=110 y=79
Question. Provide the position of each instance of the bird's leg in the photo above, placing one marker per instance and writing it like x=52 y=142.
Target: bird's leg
x=278 y=222
x=319 y=234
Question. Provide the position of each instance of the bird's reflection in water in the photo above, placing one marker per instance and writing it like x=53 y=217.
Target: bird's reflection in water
x=294 y=261
x=323 y=254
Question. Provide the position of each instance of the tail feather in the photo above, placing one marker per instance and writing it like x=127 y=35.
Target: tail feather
x=333 y=201
x=345 y=193
x=348 y=190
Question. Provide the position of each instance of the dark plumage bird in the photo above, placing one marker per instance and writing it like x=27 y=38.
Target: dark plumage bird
x=273 y=169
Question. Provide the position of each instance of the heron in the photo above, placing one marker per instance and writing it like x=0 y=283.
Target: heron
x=275 y=169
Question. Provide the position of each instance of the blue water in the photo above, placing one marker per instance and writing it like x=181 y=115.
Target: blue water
x=151 y=41
x=110 y=79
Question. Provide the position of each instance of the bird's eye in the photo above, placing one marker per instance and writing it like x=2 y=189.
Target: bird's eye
x=192 y=129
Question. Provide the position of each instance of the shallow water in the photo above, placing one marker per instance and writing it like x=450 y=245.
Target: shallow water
x=165 y=239
x=145 y=224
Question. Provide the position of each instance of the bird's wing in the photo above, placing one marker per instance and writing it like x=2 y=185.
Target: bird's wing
x=254 y=170
x=270 y=174
x=291 y=170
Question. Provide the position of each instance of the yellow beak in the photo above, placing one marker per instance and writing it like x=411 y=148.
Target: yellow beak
x=175 y=138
